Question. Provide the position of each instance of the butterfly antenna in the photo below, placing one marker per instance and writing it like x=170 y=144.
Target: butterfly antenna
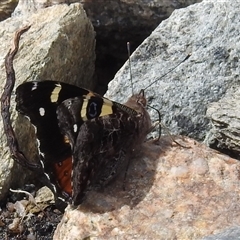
x=129 y=61
x=130 y=72
x=170 y=70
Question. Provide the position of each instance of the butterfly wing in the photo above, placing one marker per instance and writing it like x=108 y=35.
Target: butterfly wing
x=101 y=134
x=38 y=101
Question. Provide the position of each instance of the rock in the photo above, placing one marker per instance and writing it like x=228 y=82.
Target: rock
x=208 y=31
x=115 y=22
x=171 y=193
x=119 y=22
x=59 y=46
x=225 y=118
x=232 y=233
x=26 y=7
x=6 y=8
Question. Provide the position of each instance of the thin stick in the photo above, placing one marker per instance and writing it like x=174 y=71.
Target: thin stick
x=12 y=142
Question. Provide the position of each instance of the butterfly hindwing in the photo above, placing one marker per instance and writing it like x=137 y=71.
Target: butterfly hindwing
x=73 y=112
x=100 y=144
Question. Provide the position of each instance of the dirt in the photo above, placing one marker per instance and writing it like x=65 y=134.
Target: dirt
x=28 y=219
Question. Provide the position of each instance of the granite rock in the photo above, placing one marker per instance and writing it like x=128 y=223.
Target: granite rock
x=209 y=32
x=171 y=192
x=49 y=50
x=115 y=22
x=225 y=119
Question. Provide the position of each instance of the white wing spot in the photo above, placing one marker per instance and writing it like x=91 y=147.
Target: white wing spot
x=28 y=118
x=38 y=143
x=69 y=103
x=75 y=128
x=42 y=164
x=34 y=87
x=42 y=111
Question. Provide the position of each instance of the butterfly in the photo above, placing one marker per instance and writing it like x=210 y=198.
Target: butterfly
x=84 y=139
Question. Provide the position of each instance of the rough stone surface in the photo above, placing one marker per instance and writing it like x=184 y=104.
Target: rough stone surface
x=26 y=7
x=122 y=21
x=225 y=117
x=49 y=50
x=208 y=30
x=232 y=233
x=171 y=193
x=115 y=22
x=6 y=8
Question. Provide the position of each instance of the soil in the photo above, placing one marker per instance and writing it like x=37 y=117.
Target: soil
x=24 y=219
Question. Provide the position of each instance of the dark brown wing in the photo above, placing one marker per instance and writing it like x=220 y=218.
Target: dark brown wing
x=100 y=145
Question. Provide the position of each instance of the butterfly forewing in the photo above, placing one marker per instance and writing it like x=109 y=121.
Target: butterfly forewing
x=81 y=136
x=39 y=101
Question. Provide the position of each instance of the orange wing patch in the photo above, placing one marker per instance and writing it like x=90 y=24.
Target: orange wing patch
x=63 y=171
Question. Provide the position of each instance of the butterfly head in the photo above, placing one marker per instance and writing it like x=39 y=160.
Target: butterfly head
x=137 y=102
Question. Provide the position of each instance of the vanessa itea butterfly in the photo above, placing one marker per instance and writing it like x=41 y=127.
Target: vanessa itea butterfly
x=84 y=139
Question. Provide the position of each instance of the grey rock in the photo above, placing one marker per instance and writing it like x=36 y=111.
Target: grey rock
x=208 y=31
x=225 y=119
x=115 y=23
x=228 y=234
x=119 y=21
x=26 y=7
x=59 y=46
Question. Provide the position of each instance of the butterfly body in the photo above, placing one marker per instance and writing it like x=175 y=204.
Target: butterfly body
x=85 y=140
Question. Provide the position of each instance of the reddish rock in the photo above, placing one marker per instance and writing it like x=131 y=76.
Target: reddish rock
x=171 y=193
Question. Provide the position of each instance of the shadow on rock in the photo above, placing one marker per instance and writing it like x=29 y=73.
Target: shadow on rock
x=139 y=180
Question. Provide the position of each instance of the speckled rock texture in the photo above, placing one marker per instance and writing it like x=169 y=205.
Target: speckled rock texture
x=6 y=8
x=225 y=119
x=209 y=31
x=231 y=233
x=171 y=192
x=115 y=23
x=49 y=50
